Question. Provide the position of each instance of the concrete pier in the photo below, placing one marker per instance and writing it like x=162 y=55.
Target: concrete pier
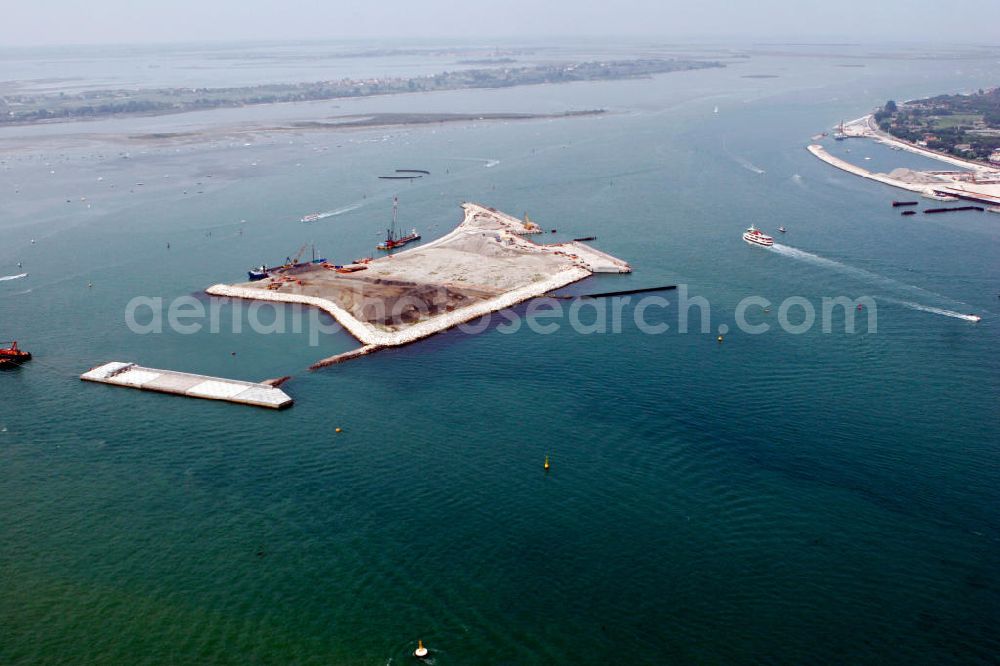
x=131 y=375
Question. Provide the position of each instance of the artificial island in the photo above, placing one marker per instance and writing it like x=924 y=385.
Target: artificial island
x=487 y=263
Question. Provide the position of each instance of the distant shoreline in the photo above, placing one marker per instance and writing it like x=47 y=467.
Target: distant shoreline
x=391 y=119
x=28 y=109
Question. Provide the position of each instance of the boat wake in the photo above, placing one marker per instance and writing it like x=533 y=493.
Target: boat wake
x=334 y=213
x=13 y=277
x=487 y=162
x=884 y=282
x=749 y=166
x=940 y=311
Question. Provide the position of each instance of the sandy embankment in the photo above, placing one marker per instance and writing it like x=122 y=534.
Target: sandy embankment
x=482 y=266
x=983 y=185
x=370 y=336
x=821 y=153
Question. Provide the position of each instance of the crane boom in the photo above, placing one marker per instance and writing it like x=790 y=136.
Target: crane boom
x=298 y=255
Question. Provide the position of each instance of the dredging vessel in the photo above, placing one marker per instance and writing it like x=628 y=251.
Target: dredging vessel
x=392 y=240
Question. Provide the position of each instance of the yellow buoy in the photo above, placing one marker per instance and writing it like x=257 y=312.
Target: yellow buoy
x=421 y=651
x=546 y=463
x=339 y=430
x=719 y=338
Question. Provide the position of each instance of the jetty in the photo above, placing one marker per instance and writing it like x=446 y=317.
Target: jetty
x=130 y=375
x=973 y=181
x=820 y=152
x=484 y=265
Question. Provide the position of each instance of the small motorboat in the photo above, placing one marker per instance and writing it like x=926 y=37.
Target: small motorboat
x=782 y=229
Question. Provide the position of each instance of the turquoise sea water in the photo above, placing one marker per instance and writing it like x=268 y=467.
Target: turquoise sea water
x=777 y=498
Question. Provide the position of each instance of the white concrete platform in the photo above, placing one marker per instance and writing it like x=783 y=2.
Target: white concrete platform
x=131 y=375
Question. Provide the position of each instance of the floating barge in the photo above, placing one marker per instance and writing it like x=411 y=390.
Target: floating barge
x=954 y=209
x=130 y=375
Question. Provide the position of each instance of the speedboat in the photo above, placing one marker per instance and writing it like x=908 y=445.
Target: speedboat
x=755 y=236
x=782 y=229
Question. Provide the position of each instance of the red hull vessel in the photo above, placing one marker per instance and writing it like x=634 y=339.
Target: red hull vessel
x=10 y=356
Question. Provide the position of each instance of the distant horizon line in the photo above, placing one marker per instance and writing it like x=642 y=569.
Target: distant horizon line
x=732 y=42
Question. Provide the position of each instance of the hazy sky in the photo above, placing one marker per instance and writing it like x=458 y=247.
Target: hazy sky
x=137 y=21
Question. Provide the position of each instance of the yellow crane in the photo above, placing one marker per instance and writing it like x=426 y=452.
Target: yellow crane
x=298 y=255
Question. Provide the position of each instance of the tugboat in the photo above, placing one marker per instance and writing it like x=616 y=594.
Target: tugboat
x=392 y=241
x=12 y=356
x=755 y=236
x=258 y=273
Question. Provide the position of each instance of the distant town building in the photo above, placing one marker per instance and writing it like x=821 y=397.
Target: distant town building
x=995 y=157
x=963 y=147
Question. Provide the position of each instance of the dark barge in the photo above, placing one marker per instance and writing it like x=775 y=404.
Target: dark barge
x=607 y=294
x=954 y=209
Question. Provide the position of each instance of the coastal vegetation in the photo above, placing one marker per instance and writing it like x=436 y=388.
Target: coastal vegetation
x=26 y=108
x=966 y=126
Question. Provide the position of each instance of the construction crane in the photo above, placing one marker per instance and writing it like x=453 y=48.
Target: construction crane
x=298 y=255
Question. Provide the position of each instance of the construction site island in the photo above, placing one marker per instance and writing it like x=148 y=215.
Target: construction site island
x=484 y=265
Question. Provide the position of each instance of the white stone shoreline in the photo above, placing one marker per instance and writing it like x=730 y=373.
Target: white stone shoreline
x=368 y=335
x=821 y=153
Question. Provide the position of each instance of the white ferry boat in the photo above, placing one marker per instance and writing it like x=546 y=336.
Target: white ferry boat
x=755 y=236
